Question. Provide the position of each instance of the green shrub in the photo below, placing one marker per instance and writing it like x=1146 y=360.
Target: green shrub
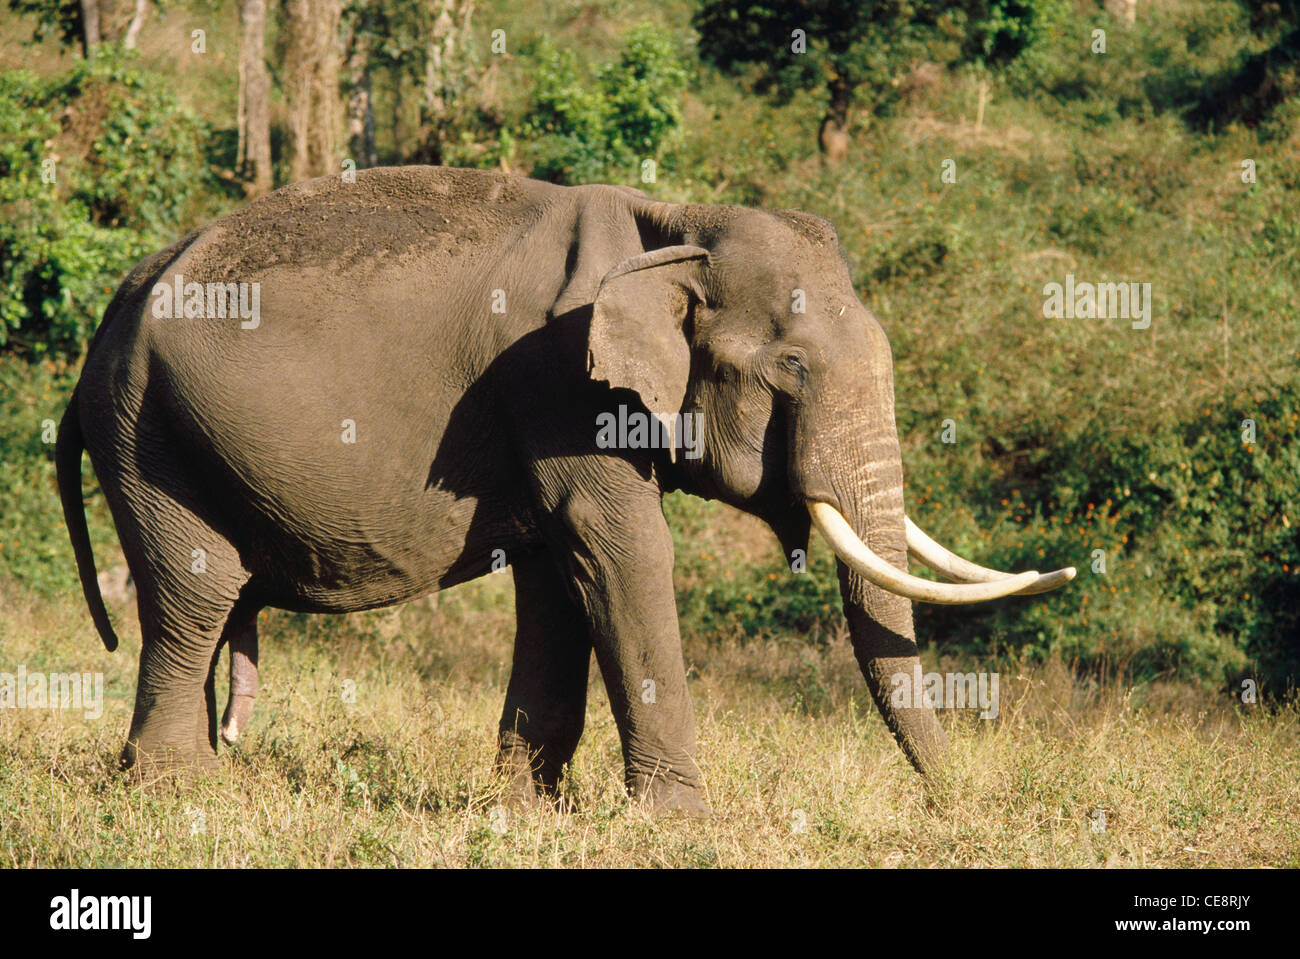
x=98 y=167
x=591 y=127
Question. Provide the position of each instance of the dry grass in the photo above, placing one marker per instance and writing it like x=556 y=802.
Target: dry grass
x=799 y=769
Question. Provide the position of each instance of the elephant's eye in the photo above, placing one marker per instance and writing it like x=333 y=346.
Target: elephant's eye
x=793 y=364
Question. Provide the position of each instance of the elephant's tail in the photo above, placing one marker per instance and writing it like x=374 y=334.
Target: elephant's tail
x=67 y=462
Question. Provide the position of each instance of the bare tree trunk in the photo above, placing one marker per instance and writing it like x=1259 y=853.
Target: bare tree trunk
x=361 y=107
x=255 y=99
x=241 y=115
x=833 y=137
x=115 y=19
x=137 y=22
x=1125 y=11
x=295 y=82
x=89 y=27
x=399 y=107
x=445 y=71
x=312 y=86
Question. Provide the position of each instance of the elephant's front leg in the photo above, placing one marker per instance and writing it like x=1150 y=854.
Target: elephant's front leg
x=619 y=553
x=546 y=701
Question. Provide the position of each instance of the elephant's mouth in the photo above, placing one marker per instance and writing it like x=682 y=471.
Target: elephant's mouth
x=973 y=583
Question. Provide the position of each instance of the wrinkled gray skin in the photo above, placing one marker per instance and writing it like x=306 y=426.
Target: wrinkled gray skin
x=476 y=431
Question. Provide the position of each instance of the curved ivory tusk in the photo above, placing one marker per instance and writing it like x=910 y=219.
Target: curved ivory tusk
x=858 y=556
x=949 y=564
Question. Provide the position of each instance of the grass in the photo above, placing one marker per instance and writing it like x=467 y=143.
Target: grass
x=798 y=767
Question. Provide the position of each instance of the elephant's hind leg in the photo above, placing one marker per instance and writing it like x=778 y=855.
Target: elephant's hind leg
x=546 y=700
x=189 y=577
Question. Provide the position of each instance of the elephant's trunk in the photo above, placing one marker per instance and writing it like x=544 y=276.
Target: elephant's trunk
x=870 y=498
x=846 y=455
x=884 y=641
x=880 y=620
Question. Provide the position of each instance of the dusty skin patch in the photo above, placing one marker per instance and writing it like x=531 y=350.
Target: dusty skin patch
x=388 y=214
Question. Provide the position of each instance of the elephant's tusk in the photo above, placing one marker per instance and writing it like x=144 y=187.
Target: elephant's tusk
x=949 y=564
x=858 y=556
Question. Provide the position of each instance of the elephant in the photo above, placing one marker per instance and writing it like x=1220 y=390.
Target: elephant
x=356 y=391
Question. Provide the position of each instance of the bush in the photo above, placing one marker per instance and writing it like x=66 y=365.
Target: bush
x=589 y=128
x=98 y=167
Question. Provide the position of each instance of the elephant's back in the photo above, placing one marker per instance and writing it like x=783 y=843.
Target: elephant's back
x=400 y=215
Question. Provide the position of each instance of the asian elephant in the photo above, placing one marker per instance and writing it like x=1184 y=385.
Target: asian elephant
x=356 y=391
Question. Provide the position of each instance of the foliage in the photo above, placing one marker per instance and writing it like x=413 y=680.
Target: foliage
x=126 y=162
x=53 y=17
x=1250 y=90
x=867 y=46
x=603 y=125
x=34 y=548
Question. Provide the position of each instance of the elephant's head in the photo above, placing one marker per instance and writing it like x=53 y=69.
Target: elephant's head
x=750 y=320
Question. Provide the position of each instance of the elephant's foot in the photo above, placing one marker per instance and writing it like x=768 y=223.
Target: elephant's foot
x=238 y=711
x=175 y=737
x=531 y=781
x=147 y=760
x=666 y=796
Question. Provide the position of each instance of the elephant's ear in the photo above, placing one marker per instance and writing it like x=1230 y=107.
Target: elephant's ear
x=636 y=341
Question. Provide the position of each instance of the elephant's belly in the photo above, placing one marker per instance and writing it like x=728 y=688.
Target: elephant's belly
x=384 y=558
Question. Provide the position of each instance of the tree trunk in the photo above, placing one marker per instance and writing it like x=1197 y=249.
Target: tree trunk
x=137 y=22
x=833 y=137
x=446 y=72
x=1125 y=11
x=89 y=27
x=361 y=108
x=311 y=86
x=254 y=158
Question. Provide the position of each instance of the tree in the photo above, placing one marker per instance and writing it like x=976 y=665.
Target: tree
x=360 y=23
x=600 y=124
x=131 y=173
x=450 y=71
x=853 y=49
x=310 y=81
x=254 y=150
x=89 y=27
x=1251 y=90
x=87 y=23
x=135 y=24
